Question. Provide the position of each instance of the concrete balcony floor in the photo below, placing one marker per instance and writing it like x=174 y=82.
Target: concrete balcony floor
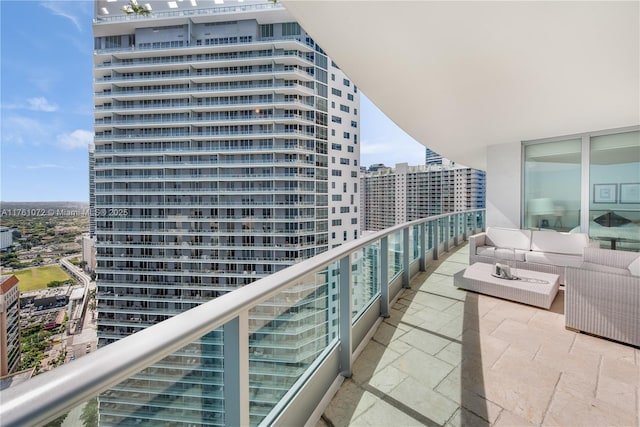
x=448 y=357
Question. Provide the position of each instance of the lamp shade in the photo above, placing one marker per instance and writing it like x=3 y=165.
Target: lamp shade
x=542 y=206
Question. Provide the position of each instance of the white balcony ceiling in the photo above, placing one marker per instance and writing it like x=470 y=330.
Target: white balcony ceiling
x=458 y=76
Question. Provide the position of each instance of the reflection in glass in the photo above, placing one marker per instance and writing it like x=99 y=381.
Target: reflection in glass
x=395 y=254
x=552 y=185
x=286 y=334
x=365 y=277
x=614 y=202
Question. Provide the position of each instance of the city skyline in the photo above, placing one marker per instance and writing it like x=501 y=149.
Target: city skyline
x=47 y=106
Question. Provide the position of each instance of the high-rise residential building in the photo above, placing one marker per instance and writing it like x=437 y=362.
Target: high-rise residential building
x=216 y=130
x=431 y=157
x=406 y=193
x=9 y=325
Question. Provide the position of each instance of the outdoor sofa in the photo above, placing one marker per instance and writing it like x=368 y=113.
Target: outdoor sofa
x=602 y=295
x=545 y=251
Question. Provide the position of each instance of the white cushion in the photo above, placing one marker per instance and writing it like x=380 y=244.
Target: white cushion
x=509 y=238
x=561 y=260
x=510 y=254
x=486 y=251
x=603 y=268
x=634 y=267
x=559 y=243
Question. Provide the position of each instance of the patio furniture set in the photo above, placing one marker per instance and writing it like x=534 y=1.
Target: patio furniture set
x=602 y=286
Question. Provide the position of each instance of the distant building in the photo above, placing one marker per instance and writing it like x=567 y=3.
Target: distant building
x=6 y=238
x=89 y=253
x=377 y=166
x=431 y=157
x=406 y=193
x=9 y=325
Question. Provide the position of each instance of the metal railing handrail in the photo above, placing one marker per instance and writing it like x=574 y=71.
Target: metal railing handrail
x=46 y=396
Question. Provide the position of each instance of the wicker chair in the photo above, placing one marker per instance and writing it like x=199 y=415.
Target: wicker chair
x=602 y=297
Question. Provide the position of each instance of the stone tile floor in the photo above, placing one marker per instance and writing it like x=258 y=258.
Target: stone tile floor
x=446 y=357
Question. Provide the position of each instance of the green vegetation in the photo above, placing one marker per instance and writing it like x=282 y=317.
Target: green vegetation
x=58 y=283
x=33 y=340
x=39 y=277
x=89 y=416
x=75 y=261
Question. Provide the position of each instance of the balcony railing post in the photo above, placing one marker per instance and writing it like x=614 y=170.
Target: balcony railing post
x=447 y=232
x=423 y=245
x=345 y=307
x=405 y=257
x=236 y=370
x=384 y=277
x=436 y=238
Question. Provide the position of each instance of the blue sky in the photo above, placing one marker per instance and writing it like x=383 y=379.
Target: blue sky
x=46 y=104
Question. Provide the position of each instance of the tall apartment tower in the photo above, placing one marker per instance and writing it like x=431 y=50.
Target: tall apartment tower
x=9 y=325
x=406 y=193
x=213 y=142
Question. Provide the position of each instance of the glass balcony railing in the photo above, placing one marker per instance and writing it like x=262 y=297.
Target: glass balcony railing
x=203 y=90
x=255 y=356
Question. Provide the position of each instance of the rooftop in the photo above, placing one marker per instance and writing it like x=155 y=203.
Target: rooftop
x=450 y=357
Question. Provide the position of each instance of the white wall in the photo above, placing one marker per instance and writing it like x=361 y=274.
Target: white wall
x=504 y=189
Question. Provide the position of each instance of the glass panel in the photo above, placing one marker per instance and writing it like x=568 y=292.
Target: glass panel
x=365 y=277
x=614 y=205
x=394 y=256
x=552 y=185
x=286 y=334
x=452 y=226
x=415 y=242
x=441 y=229
x=185 y=387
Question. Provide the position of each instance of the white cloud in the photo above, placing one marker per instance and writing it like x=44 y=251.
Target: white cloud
x=45 y=166
x=79 y=138
x=21 y=130
x=41 y=104
x=57 y=8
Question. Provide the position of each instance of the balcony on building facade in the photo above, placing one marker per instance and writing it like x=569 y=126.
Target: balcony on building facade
x=307 y=319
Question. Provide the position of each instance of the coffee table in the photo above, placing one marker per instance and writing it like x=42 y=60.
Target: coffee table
x=533 y=288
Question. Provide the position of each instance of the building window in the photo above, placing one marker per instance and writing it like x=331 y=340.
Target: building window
x=344 y=187
x=355 y=234
x=344 y=161
x=350 y=97
x=344 y=108
x=336 y=222
x=336 y=172
x=333 y=235
x=354 y=220
x=290 y=29
x=355 y=139
x=551 y=181
x=336 y=92
x=346 y=82
x=354 y=174
x=336 y=197
x=344 y=209
x=333 y=77
x=266 y=31
x=350 y=148
x=333 y=104
x=336 y=147
x=336 y=119
x=345 y=235
x=333 y=132
x=355 y=111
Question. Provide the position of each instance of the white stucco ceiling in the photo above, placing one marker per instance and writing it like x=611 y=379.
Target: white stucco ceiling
x=458 y=76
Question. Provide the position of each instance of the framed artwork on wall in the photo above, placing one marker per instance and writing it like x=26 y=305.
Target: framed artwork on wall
x=630 y=193
x=605 y=193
